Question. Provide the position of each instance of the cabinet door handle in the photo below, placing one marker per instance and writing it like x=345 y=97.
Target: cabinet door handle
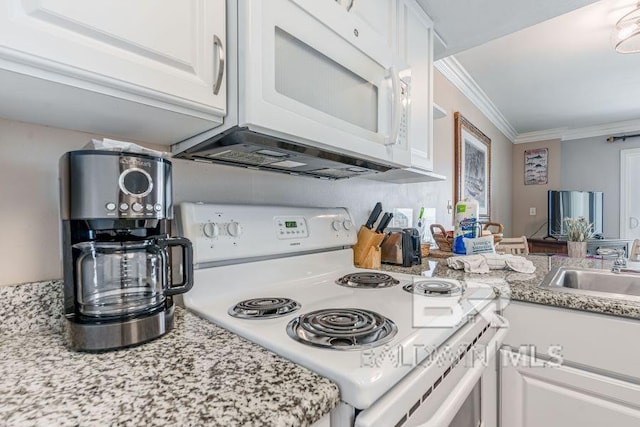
x=633 y=222
x=350 y=5
x=218 y=80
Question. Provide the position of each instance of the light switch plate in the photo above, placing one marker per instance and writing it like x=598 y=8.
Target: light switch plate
x=532 y=211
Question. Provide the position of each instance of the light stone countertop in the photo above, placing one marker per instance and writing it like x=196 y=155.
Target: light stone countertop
x=197 y=374
x=524 y=287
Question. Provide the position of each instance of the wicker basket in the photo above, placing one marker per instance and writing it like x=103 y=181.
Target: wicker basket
x=444 y=241
x=425 y=248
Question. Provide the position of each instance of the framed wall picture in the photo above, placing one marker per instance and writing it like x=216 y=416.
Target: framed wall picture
x=472 y=164
x=536 y=165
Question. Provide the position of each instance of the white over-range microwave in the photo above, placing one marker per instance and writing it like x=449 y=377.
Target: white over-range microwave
x=312 y=90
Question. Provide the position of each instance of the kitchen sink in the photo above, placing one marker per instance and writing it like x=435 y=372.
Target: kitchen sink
x=594 y=282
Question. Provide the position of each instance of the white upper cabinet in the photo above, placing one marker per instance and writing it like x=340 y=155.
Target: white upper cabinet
x=168 y=55
x=415 y=37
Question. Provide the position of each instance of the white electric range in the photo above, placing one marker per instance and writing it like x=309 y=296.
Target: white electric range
x=402 y=349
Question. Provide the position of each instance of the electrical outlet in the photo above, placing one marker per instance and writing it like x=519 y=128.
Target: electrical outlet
x=402 y=218
x=532 y=211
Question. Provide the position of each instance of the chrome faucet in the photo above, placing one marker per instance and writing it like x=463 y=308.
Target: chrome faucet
x=620 y=263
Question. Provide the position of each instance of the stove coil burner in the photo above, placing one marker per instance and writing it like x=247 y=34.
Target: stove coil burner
x=367 y=280
x=264 y=308
x=435 y=288
x=342 y=329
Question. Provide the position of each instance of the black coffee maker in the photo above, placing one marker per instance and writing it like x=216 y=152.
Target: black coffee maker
x=116 y=209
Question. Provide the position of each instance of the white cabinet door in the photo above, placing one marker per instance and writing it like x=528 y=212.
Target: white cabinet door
x=536 y=396
x=169 y=51
x=416 y=49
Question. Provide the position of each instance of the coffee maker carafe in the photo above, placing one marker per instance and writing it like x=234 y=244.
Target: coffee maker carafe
x=116 y=209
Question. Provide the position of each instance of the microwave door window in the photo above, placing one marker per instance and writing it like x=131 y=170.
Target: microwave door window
x=317 y=81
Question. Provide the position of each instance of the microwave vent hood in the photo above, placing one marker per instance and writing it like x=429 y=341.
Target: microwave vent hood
x=240 y=146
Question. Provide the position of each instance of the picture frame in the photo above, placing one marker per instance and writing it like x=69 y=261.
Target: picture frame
x=536 y=166
x=472 y=165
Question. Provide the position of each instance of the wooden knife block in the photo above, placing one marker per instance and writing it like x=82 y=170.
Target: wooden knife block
x=366 y=252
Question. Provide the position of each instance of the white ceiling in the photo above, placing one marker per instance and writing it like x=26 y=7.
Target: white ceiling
x=561 y=75
x=462 y=24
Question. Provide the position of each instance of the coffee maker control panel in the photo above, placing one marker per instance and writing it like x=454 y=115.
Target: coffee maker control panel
x=113 y=185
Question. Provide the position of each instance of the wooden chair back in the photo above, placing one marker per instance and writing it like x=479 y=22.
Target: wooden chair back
x=513 y=246
x=495 y=228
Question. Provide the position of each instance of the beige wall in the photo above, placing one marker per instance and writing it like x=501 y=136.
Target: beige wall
x=29 y=192
x=451 y=100
x=29 y=186
x=533 y=196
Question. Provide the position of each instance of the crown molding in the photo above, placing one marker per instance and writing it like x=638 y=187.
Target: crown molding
x=540 y=135
x=568 y=134
x=460 y=78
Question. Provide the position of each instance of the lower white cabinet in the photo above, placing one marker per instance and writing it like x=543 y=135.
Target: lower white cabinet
x=562 y=396
x=566 y=368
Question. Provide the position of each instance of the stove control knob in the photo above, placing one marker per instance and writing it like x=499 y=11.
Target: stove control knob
x=234 y=229
x=137 y=207
x=210 y=229
x=347 y=224
x=337 y=225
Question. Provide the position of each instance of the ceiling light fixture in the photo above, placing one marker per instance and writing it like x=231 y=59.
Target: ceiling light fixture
x=626 y=36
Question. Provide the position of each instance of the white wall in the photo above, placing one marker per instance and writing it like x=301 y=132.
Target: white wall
x=592 y=164
x=29 y=186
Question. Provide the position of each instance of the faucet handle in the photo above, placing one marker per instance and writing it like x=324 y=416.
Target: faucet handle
x=619 y=252
x=620 y=261
x=605 y=251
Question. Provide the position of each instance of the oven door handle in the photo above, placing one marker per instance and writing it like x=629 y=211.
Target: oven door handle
x=448 y=410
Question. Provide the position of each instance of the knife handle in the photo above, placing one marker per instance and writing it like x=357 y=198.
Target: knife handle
x=375 y=213
x=386 y=219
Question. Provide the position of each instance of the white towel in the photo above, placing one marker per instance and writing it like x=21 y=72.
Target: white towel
x=484 y=262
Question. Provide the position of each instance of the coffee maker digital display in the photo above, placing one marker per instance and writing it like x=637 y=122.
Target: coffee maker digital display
x=116 y=209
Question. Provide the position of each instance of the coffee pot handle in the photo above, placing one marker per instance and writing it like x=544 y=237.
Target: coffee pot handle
x=187 y=265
